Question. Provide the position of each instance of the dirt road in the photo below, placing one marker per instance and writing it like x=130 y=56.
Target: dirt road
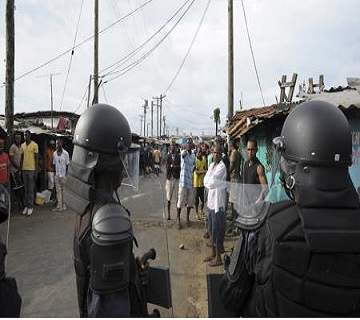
x=40 y=258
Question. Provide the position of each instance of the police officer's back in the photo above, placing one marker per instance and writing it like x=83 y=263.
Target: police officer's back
x=301 y=257
x=108 y=281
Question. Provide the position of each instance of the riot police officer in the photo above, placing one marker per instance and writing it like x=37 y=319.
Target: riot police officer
x=107 y=275
x=301 y=257
x=10 y=300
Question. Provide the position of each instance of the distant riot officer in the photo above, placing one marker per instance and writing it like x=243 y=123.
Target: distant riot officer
x=107 y=275
x=10 y=300
x=301 y=257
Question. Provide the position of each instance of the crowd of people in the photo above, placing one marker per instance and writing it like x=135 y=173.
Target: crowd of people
x=203 y=176
x=20 y=166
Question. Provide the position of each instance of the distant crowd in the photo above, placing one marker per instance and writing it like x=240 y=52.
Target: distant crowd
x=193 y=180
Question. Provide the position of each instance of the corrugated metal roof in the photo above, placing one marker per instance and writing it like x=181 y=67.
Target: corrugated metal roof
x=244 y=121
x=345 y=97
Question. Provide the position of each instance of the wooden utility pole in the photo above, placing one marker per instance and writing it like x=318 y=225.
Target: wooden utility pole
x=96 y=52
x=145 y=106
x=230 y=60
x=164 y=121
x=50 y=75
x=161 y=97
x=152 y=118
x=10 y=61
x=141 y=123
x=159 y=116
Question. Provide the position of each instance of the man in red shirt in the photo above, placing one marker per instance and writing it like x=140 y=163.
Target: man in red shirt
x=4 y=166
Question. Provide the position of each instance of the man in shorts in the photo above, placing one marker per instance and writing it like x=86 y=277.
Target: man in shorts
x=185 y=196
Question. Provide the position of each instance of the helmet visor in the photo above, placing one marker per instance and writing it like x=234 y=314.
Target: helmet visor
x=131 y=167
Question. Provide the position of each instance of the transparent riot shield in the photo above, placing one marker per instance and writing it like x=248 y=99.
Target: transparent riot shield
x=146 y=204
x=234 y=210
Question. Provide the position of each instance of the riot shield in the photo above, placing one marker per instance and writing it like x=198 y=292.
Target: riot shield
x=146 y=205
x=234 y=207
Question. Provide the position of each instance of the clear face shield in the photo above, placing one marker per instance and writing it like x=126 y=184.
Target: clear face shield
x=131 y=167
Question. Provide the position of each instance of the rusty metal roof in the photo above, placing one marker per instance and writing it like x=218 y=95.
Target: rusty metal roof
x=244 y=121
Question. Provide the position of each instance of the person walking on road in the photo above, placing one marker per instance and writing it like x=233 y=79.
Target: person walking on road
x=29 y=166
x=172 y=176
x=60 y=161
x=185 y=196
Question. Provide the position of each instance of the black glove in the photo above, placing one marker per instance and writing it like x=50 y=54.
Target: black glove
x=143 y=270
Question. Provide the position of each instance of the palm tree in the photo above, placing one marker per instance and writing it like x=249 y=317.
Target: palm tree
x=216 y=119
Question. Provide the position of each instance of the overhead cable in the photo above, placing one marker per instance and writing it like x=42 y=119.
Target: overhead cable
x=81 y=43
x=189 y=49
x=126 y=58
x=135 y=63
x=252 y=54
x=71 y=56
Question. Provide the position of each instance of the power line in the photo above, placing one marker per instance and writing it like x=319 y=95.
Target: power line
x=80 y=44
x=123 y=60
x=82 y=99
x=71 y=56
x=189 y=49
x=252 y=53
x=134 y=64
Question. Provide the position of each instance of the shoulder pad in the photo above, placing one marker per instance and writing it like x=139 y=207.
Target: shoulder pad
x=235 y=257
x=252 y=217
x=111 y=223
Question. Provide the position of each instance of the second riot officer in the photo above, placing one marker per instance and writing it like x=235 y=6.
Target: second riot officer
x=108 y=277
x=301 y=257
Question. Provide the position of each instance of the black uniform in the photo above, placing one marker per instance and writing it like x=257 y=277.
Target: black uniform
x=115 y=303
x=303 y=261
x=10 y=300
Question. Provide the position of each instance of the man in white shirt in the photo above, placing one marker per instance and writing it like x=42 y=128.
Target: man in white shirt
x=61 y=161
x=215 y=183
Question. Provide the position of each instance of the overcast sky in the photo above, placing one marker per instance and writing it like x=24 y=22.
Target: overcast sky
x=307 y=37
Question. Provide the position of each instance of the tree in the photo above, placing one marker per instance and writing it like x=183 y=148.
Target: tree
x=216 y=119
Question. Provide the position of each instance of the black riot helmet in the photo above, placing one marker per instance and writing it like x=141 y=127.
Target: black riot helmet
x=102 y=148
x=104 y=129
x=316 y=133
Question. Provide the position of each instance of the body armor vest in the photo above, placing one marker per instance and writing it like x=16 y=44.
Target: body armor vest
x=82 y=252
x=298 y=272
